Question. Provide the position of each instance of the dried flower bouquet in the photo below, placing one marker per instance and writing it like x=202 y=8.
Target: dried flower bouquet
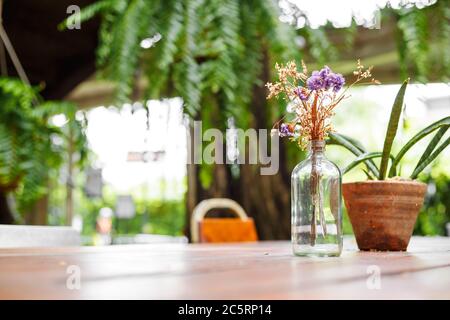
x=311 y=103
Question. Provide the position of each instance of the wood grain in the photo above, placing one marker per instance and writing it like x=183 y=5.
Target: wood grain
x=262 y=270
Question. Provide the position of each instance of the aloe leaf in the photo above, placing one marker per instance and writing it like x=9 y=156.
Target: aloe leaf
x=432 y=145
x=355 y=142
x=392 y=129
x=369 y=177
x=428 y=160
x=359 y=145
x=362 y=158
x=420 y=135
x=354 y=147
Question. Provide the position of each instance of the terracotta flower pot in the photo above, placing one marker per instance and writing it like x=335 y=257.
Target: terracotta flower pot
x=383 y=213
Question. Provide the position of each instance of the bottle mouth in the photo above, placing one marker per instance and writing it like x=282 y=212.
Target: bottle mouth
x=316 y=145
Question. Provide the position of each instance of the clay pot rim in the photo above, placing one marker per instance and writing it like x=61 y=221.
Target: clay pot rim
x=389 y=181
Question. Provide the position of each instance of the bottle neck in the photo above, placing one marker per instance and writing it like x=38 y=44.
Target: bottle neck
x=316 y=148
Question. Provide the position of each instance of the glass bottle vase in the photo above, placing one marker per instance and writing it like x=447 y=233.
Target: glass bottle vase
x=316 y=205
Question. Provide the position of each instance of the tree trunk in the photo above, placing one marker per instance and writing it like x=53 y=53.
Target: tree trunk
x=38 y=213
x=266 y=198
x=6 y=216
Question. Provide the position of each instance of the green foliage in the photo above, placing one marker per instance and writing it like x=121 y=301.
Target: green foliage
x=427 y=160
x=322 y=50
x=88 y=13
x=362 y=158
x=349 y=36
x=413 y=24
x=28 y=153
x=423 y=40
x=445 y=122
x=443 y=23
x=207 y=48
x=354 y=147
x=164 y=217
x=431 y=146
x=435 y=212
x=429 y=155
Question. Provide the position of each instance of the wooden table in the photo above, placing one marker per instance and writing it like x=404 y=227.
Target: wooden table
x=264 y=270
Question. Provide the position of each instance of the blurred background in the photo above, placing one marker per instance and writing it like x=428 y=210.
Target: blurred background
x=103 y=147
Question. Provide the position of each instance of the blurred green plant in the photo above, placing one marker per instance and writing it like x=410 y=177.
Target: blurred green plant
x=381 y=172
x=155 y=217
x=423 y=40
x=435 y=212
x=31 y=146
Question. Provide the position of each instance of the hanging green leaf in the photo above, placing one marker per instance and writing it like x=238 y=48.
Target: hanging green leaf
x=414 y=26
x=28 y=155
x=88 y=13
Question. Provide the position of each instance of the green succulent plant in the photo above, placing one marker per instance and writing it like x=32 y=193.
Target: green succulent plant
x=389 y=164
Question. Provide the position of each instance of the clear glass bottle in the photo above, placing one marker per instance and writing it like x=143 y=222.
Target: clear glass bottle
x=316 y=205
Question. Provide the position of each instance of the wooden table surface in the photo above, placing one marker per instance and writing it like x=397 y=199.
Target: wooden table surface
x=263 y=270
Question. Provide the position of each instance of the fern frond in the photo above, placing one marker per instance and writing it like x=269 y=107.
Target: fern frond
x=187 y=73
x=320 y=46
x=90 y=11
x=414 y=26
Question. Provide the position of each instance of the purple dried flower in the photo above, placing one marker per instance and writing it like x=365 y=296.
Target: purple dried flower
x=339 y=82
x=325 y=79
x=285 y=131
x=325 y=72
x=301 y=93
x=315 y=82
x=336 y=81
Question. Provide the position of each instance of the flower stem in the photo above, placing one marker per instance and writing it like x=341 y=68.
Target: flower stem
x=314 y=196
x=317 y=200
